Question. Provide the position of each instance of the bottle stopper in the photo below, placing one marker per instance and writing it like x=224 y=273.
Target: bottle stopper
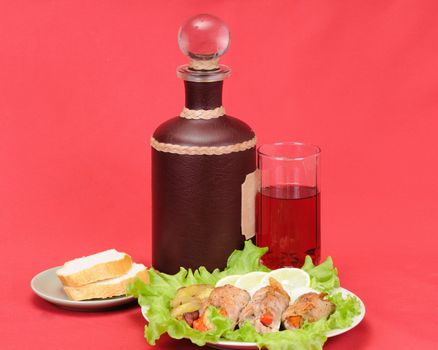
x=203 y=39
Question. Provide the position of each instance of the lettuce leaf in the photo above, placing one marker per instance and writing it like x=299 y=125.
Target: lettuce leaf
x=284 y=340
x=158 y=294
x=346 y=309
x=246 y=260
x=323 y=277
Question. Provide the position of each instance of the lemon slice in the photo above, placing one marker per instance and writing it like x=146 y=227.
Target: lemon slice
x=251 y=281
x=228 y=280
x=289 y=277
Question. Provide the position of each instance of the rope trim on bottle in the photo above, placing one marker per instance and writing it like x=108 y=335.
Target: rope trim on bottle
x=202 y=150
x=204 y=64
x=202 y=113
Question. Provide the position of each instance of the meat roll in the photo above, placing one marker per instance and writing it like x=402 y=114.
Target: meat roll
x=229 y=300
x=266 y=307
x=309 y=307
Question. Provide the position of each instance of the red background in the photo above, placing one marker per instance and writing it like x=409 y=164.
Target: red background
x=83 y=84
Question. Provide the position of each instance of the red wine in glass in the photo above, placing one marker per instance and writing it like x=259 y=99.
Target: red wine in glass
x=289 y=224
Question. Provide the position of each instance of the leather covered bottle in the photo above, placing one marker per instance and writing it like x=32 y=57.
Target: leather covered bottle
x=203 y=164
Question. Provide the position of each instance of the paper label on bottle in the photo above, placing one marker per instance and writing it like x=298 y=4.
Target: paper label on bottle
x=249 y=193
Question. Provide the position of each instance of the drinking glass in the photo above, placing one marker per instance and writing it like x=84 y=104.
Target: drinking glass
x=288 y=203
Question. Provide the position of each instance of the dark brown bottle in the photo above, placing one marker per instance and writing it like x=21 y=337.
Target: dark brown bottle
x=203 y=164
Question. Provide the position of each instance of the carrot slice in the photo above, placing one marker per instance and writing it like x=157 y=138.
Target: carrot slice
x=295 y=321
x=266 y=319
x=199 y=325
x=223 y=312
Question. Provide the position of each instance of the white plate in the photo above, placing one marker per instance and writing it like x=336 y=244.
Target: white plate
x=253 y=346
x=47 y=286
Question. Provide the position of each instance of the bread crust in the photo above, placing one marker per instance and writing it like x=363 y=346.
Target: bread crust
x=102 y=291
x=98 y=272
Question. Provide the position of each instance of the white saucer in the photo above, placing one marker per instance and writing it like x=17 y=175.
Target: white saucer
x=233 y=345
x=47 y=286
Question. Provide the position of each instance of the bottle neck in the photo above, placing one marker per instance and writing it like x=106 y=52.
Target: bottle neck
x=203 y=95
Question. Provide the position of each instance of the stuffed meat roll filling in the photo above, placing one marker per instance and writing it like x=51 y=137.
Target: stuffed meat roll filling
x=266 y=307
x=229 y=300
x=188 y=301
x=309 y=307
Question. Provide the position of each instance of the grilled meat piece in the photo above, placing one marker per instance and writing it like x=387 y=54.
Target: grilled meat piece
x=229 y=300
x=309 y=307
x=266 y=307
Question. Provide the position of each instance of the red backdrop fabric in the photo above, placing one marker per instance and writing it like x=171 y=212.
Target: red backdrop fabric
x=83 y=84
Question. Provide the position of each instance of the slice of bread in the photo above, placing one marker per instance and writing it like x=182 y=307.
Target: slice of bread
x=108 y=288
x=93 y=268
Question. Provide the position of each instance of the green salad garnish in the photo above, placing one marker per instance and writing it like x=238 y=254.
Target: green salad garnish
x=162 y=288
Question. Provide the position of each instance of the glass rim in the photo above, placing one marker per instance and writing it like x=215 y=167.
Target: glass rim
x=316 y=150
